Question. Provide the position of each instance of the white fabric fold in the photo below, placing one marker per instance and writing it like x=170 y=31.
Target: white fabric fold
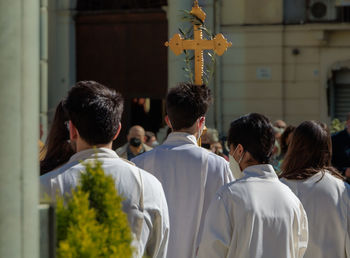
x=256 y=216
x=144 y=199
x=190 y=176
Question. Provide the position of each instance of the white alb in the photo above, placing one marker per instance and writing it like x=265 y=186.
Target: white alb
x=256 y=216
x=190 y=176
x=326 y=200
x=144 y=203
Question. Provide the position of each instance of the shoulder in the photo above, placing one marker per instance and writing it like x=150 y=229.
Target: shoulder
x=128 y=161
x=120 y=165
x=144 y=156
x=217 y=159
x=146 y=147
x=122 y=149
x=231 y=190
x=339 y=135
x=111 y=166
x=45 y=179
x=289 y=183
x=332 y=181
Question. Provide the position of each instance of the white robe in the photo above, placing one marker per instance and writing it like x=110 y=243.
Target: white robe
x=255 y=216
x=144 y=203
x=190 y=176
x=327 y=205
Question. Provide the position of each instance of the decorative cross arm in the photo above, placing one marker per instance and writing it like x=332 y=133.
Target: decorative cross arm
x=178 y=44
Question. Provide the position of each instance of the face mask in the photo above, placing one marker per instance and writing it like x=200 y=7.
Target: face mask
x=136 y=142
x=234 y=166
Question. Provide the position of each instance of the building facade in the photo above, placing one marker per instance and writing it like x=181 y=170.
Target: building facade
x=289 y=60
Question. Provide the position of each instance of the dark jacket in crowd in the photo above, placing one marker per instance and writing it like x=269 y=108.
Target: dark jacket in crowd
x=341 y=150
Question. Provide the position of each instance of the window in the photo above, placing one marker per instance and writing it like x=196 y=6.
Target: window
x=343 y=13
x=340 y=94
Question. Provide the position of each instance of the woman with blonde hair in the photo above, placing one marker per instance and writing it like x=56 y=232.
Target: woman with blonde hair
x=325 y=196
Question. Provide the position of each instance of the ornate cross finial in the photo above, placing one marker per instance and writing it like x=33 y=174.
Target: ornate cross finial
x=178 y=44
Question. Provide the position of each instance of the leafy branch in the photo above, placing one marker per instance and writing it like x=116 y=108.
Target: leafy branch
x=208 y=55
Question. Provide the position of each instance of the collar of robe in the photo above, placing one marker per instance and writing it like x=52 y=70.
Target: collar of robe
x=177 y=138
x=262 y=171
x=92 y=153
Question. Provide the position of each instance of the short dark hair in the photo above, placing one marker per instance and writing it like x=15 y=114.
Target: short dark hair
x=95 y=111
x=186 y=103
x=255 y=133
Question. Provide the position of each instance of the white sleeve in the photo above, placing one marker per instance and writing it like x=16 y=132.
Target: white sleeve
x=217 y=231
x=157 y=243
x=228 y=174
x=302 y=232
x=347 y=237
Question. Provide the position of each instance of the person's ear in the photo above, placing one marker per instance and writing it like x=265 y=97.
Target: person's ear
x=73 y=132
x=236 y=151
x=118 y=131
x=240 y=150
x=201 y=122
x=167 y=121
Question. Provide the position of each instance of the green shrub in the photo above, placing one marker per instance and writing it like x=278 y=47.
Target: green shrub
x=337 y=125
x=92 y=223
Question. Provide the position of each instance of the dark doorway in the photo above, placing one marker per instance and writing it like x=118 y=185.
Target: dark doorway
x=125 y=51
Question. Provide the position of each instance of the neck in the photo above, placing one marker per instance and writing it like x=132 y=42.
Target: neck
x=248 y=161
x=82 y=145
x=190 y=130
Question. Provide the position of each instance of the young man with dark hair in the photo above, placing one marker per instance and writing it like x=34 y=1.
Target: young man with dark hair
x=190 y=175
x=257 y=215
x=94 y=113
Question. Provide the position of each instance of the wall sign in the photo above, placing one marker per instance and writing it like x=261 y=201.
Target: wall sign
x=263 y=73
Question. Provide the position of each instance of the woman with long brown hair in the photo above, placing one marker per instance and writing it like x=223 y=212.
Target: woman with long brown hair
x=58 y=148
x=325 y=196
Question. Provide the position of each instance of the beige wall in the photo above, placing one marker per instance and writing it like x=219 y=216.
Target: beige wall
x=261 y=73
x=252 y=12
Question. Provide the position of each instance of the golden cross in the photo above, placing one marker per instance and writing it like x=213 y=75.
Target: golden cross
x=178 y=44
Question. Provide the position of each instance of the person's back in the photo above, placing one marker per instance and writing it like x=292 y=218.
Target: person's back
x=188 y=168
x=137 y=187
x=321 y=189
x=256 y=216
x=190 y=175
x=327 y=205
x=95 y=112
x=264 y=216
